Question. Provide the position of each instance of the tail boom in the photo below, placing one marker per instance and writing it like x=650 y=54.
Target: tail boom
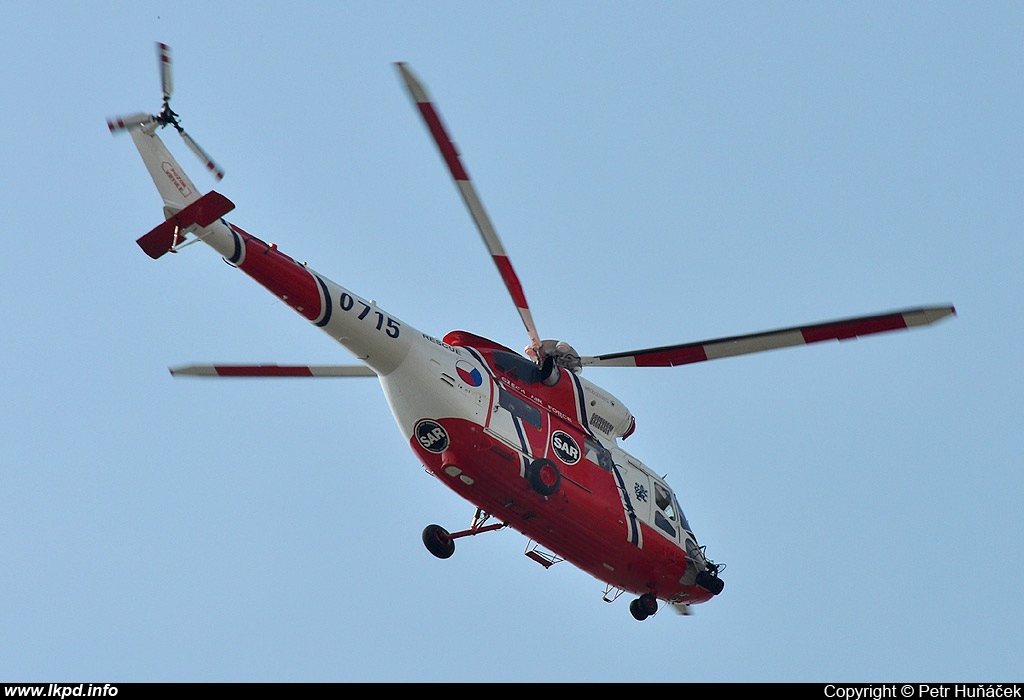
x=378 y=339
x=375 y=337
x=372 y=335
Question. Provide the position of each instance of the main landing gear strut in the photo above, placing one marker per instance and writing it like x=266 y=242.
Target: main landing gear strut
x=441 y=543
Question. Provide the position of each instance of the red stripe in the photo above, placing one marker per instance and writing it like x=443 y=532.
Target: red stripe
x=267 y=371
x=671 y=358
x=852 y=329
x=287 y=279
x=448 y=150
x=511 y=281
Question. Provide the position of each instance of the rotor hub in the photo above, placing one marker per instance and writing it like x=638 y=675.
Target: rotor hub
x=560 y=352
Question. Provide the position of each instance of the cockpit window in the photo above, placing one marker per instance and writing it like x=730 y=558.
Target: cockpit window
x=663 y=499
x=664 y=524
x=682 y=518
x=667 y=514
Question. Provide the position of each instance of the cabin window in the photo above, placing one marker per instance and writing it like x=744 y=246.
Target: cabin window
x=519 y=408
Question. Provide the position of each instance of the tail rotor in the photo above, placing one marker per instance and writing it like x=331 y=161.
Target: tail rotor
x=167 y=116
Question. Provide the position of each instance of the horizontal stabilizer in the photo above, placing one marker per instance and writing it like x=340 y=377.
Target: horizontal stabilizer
x=273 y=371
x=202 y=212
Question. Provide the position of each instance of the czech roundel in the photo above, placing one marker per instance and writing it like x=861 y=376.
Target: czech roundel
x=468 y=373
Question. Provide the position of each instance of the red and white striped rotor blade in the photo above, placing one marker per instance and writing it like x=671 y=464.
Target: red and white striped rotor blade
x=129 y=121
x=671 y=355
x=469 y=195
x=163 y=52
x=215 y=170
x=273 y=371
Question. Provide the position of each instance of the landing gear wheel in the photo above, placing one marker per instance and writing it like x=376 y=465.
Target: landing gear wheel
x=544 y=477
x=635 y=611
x=644 y=606
x=438 y=541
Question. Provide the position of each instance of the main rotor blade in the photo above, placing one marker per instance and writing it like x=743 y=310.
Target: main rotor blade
x=216 y=170
x=671 y=355
x=476 y=208
x=163 y=52
x=273 y=371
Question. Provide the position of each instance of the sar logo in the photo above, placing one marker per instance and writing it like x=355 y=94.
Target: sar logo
x=565 y=447
x=431 y=436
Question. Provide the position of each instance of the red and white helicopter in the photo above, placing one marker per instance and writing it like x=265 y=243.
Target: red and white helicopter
x=524 y=438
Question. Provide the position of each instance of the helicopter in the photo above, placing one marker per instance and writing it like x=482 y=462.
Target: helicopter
x=524 y=437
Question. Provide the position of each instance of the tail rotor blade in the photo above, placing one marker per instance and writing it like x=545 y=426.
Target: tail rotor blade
x=215 y=170
x=164 y=58
x=129 y=121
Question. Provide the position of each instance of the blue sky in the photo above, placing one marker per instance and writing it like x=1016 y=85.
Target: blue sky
x=659 y=173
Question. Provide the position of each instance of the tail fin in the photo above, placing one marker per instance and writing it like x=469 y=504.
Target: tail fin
x=184 y=209
x=175 y=187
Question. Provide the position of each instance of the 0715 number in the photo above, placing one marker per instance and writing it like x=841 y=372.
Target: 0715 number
x=384 y=322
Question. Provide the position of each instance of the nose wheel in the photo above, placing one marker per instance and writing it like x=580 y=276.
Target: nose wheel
x=644 y=606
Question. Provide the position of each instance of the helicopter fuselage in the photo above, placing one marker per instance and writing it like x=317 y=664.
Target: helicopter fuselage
x=479 y=425
x=479 y=417
x=527 y=440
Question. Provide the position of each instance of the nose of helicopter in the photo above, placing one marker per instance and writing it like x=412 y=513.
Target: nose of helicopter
x=709 y=581
x=707 y=570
